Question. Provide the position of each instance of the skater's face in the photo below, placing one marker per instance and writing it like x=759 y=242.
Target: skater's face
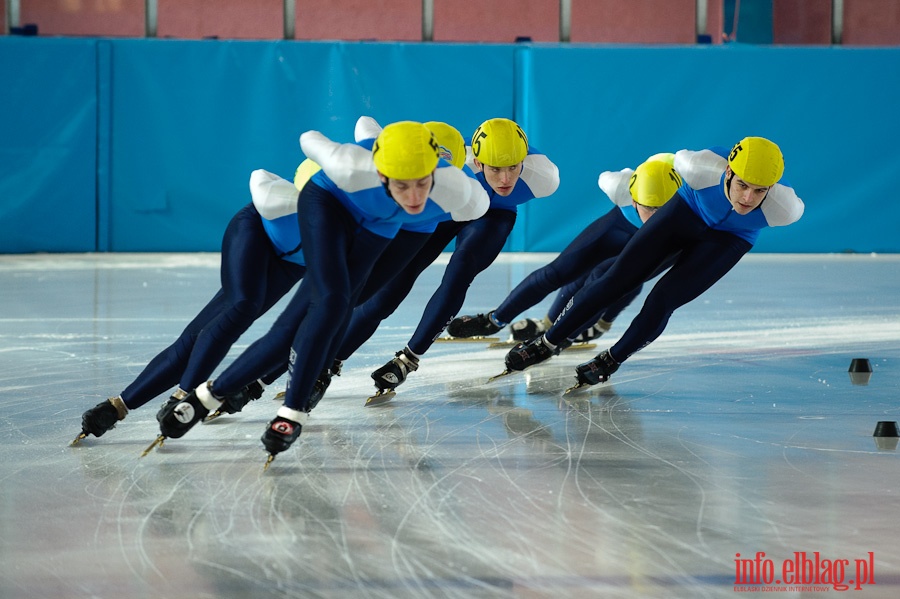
x=410 y=194
x=744 y=197
x=502 y=179
x=645 y=212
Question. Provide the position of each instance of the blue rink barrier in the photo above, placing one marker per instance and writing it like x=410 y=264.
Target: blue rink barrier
x=146 y=145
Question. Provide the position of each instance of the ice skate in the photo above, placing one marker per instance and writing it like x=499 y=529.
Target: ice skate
x=529 y=328
x=235 y=402
x=176 y=419
x=563 y=346
x=173 y=400
x=523 y=330
x=178 y=416
x=597 y=370
x=380 y=397
x=509 y=343
x=323 y=382
x=575 y=387
x=157 y=442
x=581 y=347
x=101 y=418
x=506 y=372
x=593 y=332
x=479 y=339
x=392 y=374
x=527 y=354
x=282 y=431
x=475 y=328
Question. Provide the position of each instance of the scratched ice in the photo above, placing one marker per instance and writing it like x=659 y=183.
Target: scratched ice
x=737 y=432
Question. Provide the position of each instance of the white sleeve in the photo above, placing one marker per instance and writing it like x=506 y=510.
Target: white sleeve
x=366 y=128
x=459 y=194
x=273 y=196
x=350 y=166
x=470 y=159
x=782 y=206
x=615 y=185
x=541 y=175
x=700 y=169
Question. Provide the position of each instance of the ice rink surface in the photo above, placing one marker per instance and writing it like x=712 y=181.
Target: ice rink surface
x=739 y=431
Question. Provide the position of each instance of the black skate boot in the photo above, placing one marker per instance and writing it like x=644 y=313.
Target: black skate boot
x=255 y=389
x=480 y=325
x=282 y=431
x=593 y=332
x=174 y=400
x=177 y=417
x=525 y=330
x=323 y=382
x=176 y=397
x=562 y=346
x=102 y=418
x=233 y=403
x=280 y=434
x=389 y=376
x=597 y=370
x=529 y=353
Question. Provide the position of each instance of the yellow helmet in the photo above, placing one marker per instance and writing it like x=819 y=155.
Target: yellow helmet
x=667 y=157
x=757 y=161
x=405 y=150
x=451 y=142
x=654 y=183
x=499 y=142
x=304 y=173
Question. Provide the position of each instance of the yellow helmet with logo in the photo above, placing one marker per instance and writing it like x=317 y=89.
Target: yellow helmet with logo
x=654 y=182
x=499 y=142
x=757 y=161
x=452 y=145
x=405 y=150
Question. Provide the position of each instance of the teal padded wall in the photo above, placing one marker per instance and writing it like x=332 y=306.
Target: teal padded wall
x=146 y=145
x=191 y=120
x=832 y=111
x=48 y=145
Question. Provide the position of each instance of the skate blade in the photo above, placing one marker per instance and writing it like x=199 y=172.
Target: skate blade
x=575 y=387
x=383 y=396
x=269 y=461
x=503 y=344
x=78 y=439
x=581 y=347
x=156 y=442
x=213 y=416
x=476 y=339
x=279 y=396
x=501 y=375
